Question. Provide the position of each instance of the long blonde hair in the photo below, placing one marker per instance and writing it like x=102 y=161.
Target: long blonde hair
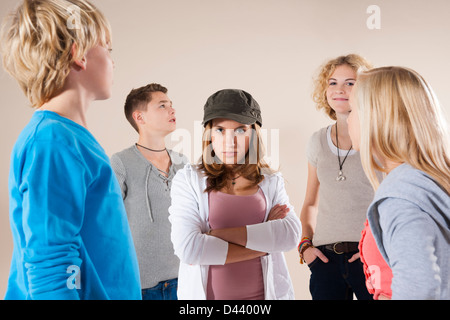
x=37 y=42
x=402 y=121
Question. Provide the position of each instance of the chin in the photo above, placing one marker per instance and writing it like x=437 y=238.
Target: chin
x=104 y=96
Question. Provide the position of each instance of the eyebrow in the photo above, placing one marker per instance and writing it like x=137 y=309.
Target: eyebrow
x=164 y=101
x=240 y=127
x=344 y=80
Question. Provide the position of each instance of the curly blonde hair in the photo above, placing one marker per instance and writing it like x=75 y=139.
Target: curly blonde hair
x=319 y=96
x=37 y=41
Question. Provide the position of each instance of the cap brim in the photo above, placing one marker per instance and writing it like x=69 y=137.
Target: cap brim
x=232 y=116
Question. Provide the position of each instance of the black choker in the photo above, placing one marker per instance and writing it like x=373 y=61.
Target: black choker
x=137 y=144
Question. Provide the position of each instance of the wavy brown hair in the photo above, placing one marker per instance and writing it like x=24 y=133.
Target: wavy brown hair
x=219 y=175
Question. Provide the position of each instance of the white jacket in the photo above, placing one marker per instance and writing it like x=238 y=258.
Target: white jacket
x=197 y=251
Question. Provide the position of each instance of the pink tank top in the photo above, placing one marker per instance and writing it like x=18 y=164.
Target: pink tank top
x=241 y=280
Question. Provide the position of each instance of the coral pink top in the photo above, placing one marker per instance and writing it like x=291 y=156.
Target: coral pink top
x=240 y=280
x=378 y=273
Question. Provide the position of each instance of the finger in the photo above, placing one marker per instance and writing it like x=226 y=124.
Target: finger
x=321 y=256
x=354 y=257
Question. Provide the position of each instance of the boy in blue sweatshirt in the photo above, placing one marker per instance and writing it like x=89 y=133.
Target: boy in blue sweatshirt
x=70 y=230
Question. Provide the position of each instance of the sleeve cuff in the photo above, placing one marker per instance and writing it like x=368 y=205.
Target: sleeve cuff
x=259 y=237
x=215 y=251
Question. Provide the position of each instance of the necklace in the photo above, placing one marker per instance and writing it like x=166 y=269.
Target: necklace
x=341 y=176
x=233 y=182
x=137 y=144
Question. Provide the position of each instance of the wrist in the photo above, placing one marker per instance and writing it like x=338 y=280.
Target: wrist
x=304 y=244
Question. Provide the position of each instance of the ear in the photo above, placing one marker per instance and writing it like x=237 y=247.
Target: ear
x=78 y=64
x=138 y=117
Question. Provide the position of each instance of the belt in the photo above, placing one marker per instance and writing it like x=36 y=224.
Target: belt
x=341 y=247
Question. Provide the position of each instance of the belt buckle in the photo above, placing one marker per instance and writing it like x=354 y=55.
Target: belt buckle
x=334 y=248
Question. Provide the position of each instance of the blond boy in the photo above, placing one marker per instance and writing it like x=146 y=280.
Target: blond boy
x=69 y=226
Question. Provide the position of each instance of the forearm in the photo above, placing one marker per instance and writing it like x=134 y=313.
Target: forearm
x=236 y=238
x=308 y=217
x=238 y=253
x=236 y=235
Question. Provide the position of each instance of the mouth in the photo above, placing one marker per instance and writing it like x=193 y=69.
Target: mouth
x=174 y=120
x=340 y=99
x=229 y=153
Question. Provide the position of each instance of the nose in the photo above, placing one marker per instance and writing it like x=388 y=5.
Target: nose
x=340 y=88
x=229 y=138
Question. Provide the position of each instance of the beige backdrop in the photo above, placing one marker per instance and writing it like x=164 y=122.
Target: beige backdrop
x=270 y=48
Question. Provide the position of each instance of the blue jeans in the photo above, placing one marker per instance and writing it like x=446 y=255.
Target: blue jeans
x=165 y=290
x=338 y=279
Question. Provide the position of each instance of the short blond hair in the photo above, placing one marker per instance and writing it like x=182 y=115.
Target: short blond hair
x=319 y=96
x=37 y=41
x=402 y=121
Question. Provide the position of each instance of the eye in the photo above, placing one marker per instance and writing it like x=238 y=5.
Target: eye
x=239 y=131
x=350 y=84
x=333 y=83
x=219 y=130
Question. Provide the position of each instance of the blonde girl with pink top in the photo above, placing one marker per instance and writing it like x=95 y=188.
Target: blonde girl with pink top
x=230 y=214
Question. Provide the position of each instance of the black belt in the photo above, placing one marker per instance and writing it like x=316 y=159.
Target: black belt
x=341 y=247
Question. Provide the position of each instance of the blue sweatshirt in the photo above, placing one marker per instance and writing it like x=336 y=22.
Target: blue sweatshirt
x=69 y=225
x=410 y=220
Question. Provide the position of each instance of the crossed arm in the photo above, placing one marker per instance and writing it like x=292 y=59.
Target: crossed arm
x=194 y=245
x=237 y=237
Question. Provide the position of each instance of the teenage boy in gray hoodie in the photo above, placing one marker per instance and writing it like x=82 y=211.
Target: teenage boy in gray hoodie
x=145 y=171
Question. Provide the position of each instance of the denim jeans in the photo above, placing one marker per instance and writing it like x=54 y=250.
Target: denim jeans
x=338 y=279
x=165 y=290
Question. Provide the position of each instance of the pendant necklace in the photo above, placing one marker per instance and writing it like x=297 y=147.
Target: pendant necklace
x=341 y=176
x=233 y=180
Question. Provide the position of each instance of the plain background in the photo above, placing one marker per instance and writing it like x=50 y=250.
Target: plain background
x=270 y=48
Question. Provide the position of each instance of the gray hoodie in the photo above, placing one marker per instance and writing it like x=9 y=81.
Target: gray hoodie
x=410 y=220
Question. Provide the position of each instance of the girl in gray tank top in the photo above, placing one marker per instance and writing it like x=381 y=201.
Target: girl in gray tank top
x=338 y=192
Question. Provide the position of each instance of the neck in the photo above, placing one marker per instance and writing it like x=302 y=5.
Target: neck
x=341 y=121
x=345 y=142
x=155 y=142
x=69 y=104
x=389 y=165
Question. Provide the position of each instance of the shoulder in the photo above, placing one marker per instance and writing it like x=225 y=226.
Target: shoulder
x=318 y=135
x=272 y=182
x=314 y=145
x=124 y=153
x=52 y=135
x=178 y=159
x=412 y=187
x=189 y=173
x=122 y=158
x=407 y=183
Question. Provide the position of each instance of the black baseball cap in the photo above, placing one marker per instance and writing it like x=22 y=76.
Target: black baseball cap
x=234 y=104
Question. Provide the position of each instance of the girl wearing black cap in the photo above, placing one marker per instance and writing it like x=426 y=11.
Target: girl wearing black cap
x=231 y=217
